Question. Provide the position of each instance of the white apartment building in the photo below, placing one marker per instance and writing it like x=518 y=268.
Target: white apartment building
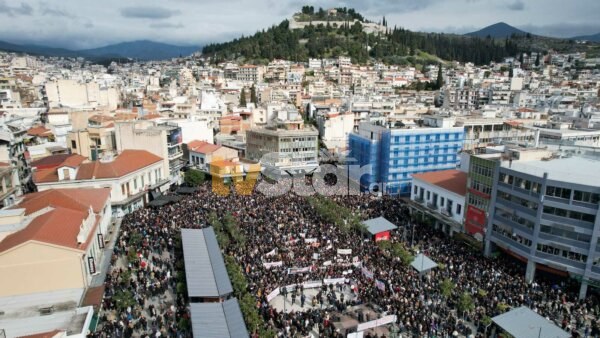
x=250 y=73
x=334 y=128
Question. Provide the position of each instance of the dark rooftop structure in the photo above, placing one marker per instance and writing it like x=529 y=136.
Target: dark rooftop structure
x=218 y=320
x=205 y=270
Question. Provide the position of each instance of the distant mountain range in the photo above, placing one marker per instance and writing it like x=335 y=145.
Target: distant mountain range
x=595 y=37
x=498 y=30
x=142 y=50
x=504 y=30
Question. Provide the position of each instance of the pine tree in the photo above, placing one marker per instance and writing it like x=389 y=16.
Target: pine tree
x=510 y=71
x=243 y=98
x=440 y=77
x=537 y=60
x=253 y=97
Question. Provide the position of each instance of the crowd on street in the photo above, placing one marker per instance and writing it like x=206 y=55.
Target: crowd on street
x=288 y=243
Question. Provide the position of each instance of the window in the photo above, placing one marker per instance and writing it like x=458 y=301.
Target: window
x=428 y=195
x=586 y=197
x=415 y=189
x=458 y=209
x=100 y=241
x=558 y=192
x=73 y=144
x=580 y=216
x=91 y=265
x=135 y=183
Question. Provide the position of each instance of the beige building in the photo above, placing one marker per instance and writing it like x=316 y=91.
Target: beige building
x=163 y=140
x=95 y=139
x=51 y=245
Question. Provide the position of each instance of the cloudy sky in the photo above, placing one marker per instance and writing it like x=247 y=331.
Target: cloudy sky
x=86 y=23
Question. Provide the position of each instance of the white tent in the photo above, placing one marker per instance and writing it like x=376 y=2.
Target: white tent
x=422 y=263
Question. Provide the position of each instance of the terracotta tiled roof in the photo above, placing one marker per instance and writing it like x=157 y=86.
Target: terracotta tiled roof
x=151 y=117
x=451 y=180
x=101 y=118
x=125 y=116
x=55 y=161
x=127 y=162
x=59 y=226
x=73 y=161
x=93 y=297
x=75 y=199
x=202 y=147
x=50 y=334
x=45 y=176
x=39 y=131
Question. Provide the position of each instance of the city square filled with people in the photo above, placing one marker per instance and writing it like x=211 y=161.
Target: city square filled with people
x=287 y=242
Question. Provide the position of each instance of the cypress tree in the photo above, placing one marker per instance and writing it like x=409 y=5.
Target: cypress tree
x=243 y=98
x=253 y=97
x=440 y=77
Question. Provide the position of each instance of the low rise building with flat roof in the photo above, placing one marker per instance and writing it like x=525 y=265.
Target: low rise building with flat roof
x=441 y=194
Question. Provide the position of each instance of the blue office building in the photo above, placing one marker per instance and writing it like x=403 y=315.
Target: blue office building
x=394 y=154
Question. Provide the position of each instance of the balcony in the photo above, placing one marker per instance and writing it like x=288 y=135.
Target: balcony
x=432 y=205
x=446 y=213
x=175 y=154
x=419 y=199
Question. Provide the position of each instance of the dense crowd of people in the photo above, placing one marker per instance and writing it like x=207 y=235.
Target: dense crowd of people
x=282 y=227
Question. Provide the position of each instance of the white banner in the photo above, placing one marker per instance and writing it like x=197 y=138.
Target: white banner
x=272 y=264
x=292 y=271
x=344 y=251
x=377 y=322
x=271 y=253
x=273 y=294
x=315 y=256
x=290 y=287
x=328 y=263
x=310 y=240
x=328 y=281
x=312 y=284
